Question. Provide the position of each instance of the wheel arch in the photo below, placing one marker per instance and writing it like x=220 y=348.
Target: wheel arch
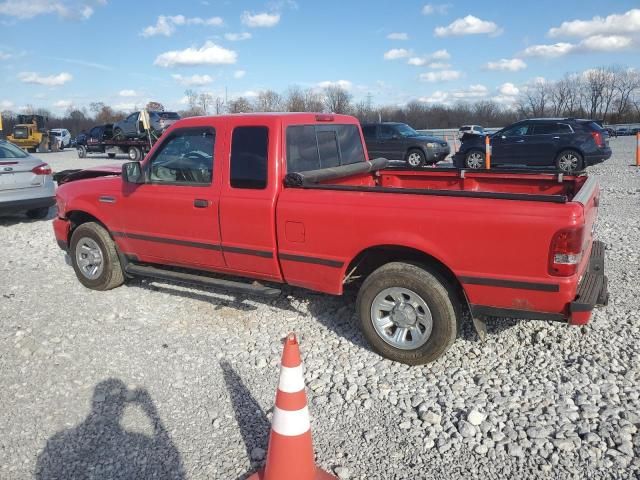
x=373 y=257
x=78 y=217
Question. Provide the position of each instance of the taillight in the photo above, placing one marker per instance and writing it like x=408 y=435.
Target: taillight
x=324 y=118
x=42 y=169
x=597 y=137
x=566 y=251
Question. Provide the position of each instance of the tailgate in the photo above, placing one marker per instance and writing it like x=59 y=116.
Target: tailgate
x=589 y=197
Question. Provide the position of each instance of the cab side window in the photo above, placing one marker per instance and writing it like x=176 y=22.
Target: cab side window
x=185 y=158
x=516 y=131
x=249 y=157
x=386 y=132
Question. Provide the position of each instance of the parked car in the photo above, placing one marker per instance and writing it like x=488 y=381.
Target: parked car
x=470 y=130
x=611 y=131
x=26 y=184
x=291 y=198
x=398 y=141
x=61 y=135
x=623 y=131
x=566 y=144
x=131 y=127
x=92 y=141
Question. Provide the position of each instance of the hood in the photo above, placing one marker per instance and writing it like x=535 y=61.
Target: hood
x=67 y=176
x=429 y=139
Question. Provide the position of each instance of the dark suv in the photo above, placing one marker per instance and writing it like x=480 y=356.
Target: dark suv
x=565 y=144
x=92 y=141
x=398 y=141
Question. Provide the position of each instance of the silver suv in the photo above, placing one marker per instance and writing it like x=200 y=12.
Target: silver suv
x=26 y=184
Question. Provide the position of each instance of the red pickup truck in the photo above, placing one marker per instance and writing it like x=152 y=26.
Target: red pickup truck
x=292 y=198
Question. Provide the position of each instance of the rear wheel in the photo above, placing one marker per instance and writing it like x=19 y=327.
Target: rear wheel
x=474 y=159
x=415 y=158
x=94 y=257
x=111 y=155
x=118 y=134
x=38 y=213
x=569 y=161
x=406 y=313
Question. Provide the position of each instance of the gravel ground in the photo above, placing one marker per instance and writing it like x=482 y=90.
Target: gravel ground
x=152 y=380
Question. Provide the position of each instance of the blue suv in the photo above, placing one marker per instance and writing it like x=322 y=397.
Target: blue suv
x=566 y=144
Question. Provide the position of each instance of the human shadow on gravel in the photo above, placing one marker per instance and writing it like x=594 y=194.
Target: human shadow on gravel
x=99 y=448
x=254 y=424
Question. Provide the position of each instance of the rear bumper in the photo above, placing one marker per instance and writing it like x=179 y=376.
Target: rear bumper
x=592 y=289
x=17 y=206
x=599 y=157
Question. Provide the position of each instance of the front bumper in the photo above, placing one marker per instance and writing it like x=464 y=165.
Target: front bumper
x=592 y=289
x=437 y=154
x=17 y=206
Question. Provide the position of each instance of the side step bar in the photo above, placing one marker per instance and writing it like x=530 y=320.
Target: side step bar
x=200 y=280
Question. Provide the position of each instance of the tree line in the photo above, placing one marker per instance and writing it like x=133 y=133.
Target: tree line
x=611 y=94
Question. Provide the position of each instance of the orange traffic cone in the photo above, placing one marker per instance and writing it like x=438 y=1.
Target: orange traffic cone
x=290 y=452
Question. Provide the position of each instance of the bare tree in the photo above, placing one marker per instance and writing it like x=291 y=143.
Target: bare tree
x=337 y=99
x=294 y=100
x=313 y=101
x=268 y=101
x=628 y=85
x=535 y=99
x=239 y=105
x=205 y=101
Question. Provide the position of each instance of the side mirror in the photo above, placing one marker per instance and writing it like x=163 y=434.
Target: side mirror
x=395 y=136
x=132 y=172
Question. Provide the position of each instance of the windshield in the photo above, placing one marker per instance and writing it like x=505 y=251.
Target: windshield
x=8 y=150
x=406 y=131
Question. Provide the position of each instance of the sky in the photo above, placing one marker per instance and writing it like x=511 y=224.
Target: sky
x=69 y=53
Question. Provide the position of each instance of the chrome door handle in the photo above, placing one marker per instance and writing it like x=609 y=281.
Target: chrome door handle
x=556 y=138
x=519 y=141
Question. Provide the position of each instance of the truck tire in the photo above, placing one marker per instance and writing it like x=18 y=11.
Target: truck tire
x=82 y=151
x=474 y=159
x=94 y=257
x=407 y=313
x=569 y=161
x=415 y=158
x=111 y=155
x=134 y=154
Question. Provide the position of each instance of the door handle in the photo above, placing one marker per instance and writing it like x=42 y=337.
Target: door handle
x=556 y=138
x=200 y=203
x=519 y=141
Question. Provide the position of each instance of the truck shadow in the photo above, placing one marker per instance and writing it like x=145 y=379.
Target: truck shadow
x=100 y=447
x=335 y=313
x=252 y=420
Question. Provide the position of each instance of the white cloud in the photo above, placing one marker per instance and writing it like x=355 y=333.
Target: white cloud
x=440 y=55
x=208 y=54
x=63 y=104
x=417 y=61
x=507 y=65
x=554 y=50
x=126 y=106
x=166 y=25
x=250 y=94
x=5 y=56
x=508 y=89
x=398 y=36
x=439 y=65
x=595 y=43
x=193 y=80
x=346 y=84
x=6 y=104
x=615 y=24
x=48 y=81
x=441 y=76
x=474 y=91
x=260 y=19
x=396 y=53
x=239 y=74
x=430 y=9
x=468 y=25
x=436 y=97
x=128 y=93
x=63 y=8
x=236 y=37
x=605 y=43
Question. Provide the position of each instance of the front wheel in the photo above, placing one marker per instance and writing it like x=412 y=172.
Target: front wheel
x=569 y=161
x=474 y=159
x=111 y=155
x=82 y=151
x=406 y=313
x=415 y=158
x=94 y=257
x=118 y=134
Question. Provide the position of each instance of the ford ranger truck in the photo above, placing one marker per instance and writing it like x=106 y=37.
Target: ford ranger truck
x=292 y=198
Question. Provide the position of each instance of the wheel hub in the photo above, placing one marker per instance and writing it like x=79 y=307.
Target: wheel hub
x=404 y=315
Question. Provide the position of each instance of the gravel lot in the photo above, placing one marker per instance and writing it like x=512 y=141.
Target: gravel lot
x=152 y=380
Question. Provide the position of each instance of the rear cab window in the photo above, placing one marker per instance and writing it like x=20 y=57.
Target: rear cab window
x=249 y=157
x=312 y=147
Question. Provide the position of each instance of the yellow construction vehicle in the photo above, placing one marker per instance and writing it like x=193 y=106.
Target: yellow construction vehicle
x=30 y=133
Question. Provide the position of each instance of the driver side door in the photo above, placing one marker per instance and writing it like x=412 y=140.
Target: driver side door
x=172 y=218
x=507 y=146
